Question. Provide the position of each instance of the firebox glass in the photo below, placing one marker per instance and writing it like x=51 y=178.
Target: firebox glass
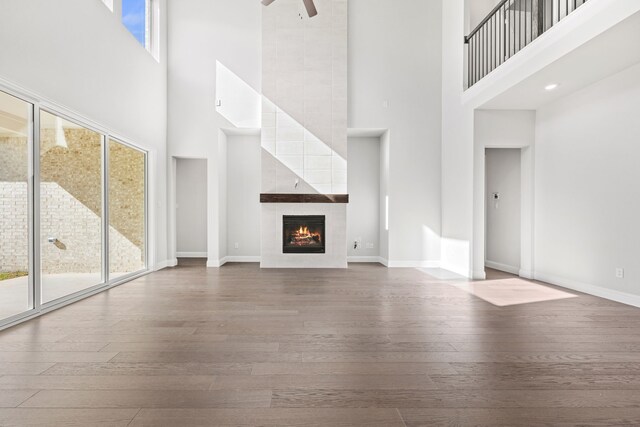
x=303 y=234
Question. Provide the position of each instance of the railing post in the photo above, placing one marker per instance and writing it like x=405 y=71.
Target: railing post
x=540 y=17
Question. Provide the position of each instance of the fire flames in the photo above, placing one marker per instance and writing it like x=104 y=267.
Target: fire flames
x=303 y=237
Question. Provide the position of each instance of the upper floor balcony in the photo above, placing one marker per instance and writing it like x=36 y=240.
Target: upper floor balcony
x=508 y=28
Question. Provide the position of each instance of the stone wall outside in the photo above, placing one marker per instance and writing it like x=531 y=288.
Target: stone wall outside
x=71 y=204
x=78 y=230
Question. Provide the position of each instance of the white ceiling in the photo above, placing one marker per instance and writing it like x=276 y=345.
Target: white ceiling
x=607 y=54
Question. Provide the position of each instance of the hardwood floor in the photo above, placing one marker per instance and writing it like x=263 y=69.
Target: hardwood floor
x=368 y=346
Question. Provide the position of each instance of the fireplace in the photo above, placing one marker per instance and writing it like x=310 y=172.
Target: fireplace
x=303 y=234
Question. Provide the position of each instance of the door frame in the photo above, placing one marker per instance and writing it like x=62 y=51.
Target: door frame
x=172 y=214
x=525 y=209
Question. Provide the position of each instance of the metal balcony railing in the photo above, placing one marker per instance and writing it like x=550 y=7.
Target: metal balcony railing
x=508 y=28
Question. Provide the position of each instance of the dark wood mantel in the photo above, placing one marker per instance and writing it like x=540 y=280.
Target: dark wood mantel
x=303 y=198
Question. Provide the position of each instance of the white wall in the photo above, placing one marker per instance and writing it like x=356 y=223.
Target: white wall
x=462 y=225
x=363 y=211
x=191 y=207
x=404 y=69
x=395 y=56
x=504 y=129
x=202 y=33
x=457 y=146
x=243 y=197
x=503 y=215
x=243 y=192
x=76 y=54
x=477 y=10
x=587 y=192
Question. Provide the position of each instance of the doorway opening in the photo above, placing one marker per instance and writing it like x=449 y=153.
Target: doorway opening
x=191 y=211
x=503 y=209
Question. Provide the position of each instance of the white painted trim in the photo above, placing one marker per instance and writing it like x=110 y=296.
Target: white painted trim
x=365 y=259
x=192 y=255
x=165 y=264
x=479 y=275
x=248 y=259
x=220 y=262
x=216 y=263
x=526 y=274
x=413 y=264
x=598 y=291
x=502 y=267
x=384 y=261
x=527 y=210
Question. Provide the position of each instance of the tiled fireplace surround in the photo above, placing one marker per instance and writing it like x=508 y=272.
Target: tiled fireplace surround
x=335 y=255
x=304 y=128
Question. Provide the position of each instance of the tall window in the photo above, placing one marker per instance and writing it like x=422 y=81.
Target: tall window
x=136 y=16
x=15 y=290
x=71 y=207
x=127 y=231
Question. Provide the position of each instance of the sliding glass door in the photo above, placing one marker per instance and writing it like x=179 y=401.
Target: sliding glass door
x=71 y=207
x=16 y=291
x=127 y=210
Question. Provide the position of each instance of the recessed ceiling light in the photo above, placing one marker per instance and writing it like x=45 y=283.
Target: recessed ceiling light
x=551 y=87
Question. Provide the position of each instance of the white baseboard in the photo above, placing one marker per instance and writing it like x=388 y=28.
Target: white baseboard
x=598 y=291
x=192 y=255
x=526 y=274
x=250 y=259
x=365 y=259
x=219 y=263
x=352 y=259
x=166 y=264
x=502 y=267
x=216 y=263
x=413 y=264
x=479 y=275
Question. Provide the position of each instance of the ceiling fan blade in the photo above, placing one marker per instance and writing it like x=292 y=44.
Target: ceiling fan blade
x=311 y=8
x=267 y=2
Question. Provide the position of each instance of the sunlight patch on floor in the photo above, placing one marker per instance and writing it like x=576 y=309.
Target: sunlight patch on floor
x=506 y=292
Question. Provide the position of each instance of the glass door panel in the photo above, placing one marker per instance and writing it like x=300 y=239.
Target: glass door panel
x=16 y=295
x=127 y=236
x=71 y=207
